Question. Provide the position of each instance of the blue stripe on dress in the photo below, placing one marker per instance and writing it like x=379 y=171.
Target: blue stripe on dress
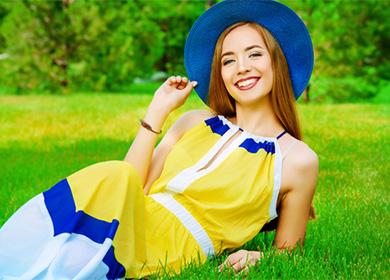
x=62 y=210
x=217 y=125
x=116 y=270
x=253 y=147
x=60 y=205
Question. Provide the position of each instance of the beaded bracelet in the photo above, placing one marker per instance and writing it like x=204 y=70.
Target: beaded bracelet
x=148 y=127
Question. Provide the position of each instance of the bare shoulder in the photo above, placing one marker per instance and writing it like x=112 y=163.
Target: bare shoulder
x=196 y=115
x=190 y=119
x=186 y=122
x=302 y=157
x=300 y=167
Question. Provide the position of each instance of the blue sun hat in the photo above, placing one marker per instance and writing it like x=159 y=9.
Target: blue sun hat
x=282 y=22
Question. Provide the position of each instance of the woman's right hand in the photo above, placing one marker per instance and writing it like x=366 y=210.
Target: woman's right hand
x=172 y=94
x=241 y=260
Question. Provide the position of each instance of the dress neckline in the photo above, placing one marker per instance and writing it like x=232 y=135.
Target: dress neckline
x=249 y=134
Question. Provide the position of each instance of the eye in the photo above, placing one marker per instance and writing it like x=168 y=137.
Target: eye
x=227 y=61
x=255 y=54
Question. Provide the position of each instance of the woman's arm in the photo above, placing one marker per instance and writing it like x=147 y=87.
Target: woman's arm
x=171 y=95
x=300 y=180
x=300 y=170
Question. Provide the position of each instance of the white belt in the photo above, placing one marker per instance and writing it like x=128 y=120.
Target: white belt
x=185 y=217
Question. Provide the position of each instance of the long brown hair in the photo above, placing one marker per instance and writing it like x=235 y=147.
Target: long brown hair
x=282 y=95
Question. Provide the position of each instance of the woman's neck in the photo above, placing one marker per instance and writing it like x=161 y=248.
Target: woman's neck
x=259 y=119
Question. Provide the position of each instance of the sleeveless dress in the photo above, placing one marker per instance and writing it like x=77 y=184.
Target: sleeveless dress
x=98 y=224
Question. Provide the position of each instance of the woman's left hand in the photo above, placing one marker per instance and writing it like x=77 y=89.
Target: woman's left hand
x=241 y=260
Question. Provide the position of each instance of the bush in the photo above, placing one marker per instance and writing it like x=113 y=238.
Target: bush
x=346 y=89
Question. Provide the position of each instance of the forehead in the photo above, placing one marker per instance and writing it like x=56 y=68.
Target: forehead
x=242 y=37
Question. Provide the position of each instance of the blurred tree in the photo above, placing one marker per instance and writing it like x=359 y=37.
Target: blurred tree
x=173 y=19
x=3 y=13
x=351 y=41
x=106 y=30
x=41 y=42
x=90 y=45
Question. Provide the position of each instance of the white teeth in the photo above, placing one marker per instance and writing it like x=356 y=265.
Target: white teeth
x=246 y=82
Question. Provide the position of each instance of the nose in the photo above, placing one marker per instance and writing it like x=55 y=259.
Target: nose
x=243 y=66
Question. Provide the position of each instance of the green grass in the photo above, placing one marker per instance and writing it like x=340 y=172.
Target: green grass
x=45 y=138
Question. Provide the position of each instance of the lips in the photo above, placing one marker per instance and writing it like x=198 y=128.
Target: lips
x=247 y=83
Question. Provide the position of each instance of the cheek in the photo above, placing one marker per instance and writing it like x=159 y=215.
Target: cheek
x=269 y=71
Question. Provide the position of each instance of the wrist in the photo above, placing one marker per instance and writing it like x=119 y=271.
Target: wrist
x=154 y=120
x=149 y=127
x=157 y=108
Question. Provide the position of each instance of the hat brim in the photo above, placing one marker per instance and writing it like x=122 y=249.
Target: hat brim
x=283 y=23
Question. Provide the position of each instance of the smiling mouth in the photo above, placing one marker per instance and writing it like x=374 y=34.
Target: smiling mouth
x=247 y=83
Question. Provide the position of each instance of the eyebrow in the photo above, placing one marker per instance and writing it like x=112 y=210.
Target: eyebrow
x=246 y=49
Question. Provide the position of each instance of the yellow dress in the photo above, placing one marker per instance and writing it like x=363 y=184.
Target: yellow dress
x=204 y=202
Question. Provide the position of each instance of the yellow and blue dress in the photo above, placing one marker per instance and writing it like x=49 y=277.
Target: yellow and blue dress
x=98 y=224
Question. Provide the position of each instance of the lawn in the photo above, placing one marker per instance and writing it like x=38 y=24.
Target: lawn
x=45 y=138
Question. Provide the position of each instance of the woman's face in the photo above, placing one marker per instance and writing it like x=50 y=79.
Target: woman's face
x=246 y=67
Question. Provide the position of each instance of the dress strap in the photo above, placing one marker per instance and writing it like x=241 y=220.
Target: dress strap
x=281 y=134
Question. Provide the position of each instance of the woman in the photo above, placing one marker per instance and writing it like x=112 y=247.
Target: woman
x=216 y=178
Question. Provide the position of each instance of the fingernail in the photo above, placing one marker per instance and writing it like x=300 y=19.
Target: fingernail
x=194 y=83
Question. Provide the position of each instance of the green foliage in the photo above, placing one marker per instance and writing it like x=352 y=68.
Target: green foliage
x=93 y=45
x=344 y=89
x=174 y=19
x=351 y=42
x=81 y=45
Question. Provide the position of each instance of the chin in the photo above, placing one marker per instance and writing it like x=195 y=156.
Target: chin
x=250 y=100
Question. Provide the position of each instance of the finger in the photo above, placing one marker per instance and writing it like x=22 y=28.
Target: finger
x=187 y=89
x=254 y=257
x=183 y=83
x=245 y=270
x=231 y=260
x=225 y=264
x=238 y=266
x=234 y=258
x=178 y=79
x=171 y=80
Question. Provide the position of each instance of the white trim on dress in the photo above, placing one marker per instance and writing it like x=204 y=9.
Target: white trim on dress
x=185 y=178
x=185 y=217
x=277 y=181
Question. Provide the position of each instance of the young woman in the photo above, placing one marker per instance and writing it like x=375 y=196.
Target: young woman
x=216 y=178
